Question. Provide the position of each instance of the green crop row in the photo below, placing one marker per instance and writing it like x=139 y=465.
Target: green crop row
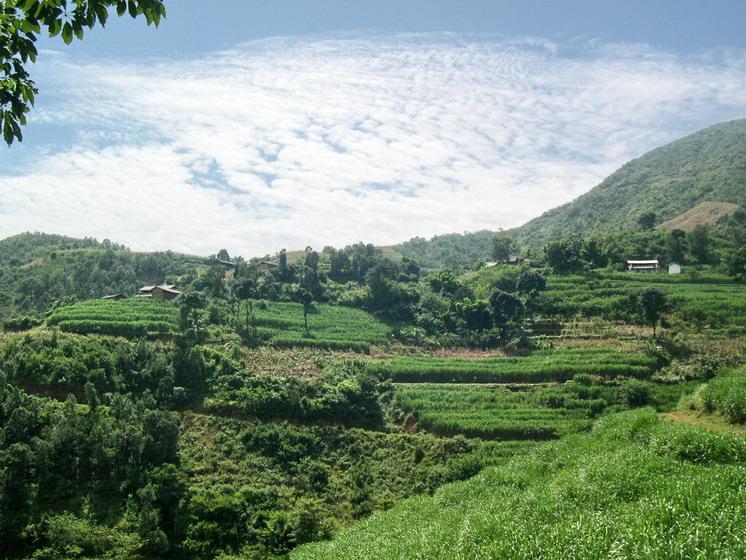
x=131 y=317
x=497 y=412
x=537 y=367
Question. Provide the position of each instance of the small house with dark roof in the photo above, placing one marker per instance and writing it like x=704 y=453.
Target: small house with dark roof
x=266 y=265
x=164 y=291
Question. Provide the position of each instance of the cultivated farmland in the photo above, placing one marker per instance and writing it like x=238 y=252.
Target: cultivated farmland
x=704 y=299
x=496 y=412
x=129 y=317
x=330 y=327
x=539 y=366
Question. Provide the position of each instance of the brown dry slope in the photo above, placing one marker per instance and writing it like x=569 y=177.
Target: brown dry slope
x=702 y=214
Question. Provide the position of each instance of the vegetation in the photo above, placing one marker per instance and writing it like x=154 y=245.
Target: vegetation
x=331 y=327
x=701 y=299
x=539 y=366
x=707 y=166
x=241 y=420
x=129 y=317
x=632 y=486
x=39 y=271
x=726 y=395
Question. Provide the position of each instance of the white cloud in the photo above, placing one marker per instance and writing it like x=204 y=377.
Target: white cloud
x=286 y=142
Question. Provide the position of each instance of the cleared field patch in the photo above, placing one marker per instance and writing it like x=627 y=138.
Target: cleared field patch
x=537 y=367
x=495 y=412
x=129 y=317
x=329 y=326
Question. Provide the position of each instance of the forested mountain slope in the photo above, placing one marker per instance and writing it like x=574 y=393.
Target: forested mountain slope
x=707 y=166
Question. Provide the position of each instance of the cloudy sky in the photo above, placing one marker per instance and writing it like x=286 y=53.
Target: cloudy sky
x=255 y=127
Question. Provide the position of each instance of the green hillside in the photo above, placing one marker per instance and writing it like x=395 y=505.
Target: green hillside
x=707 y=166
x=706 y=170
x=39 y=269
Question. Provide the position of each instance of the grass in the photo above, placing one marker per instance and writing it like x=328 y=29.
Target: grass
x=329 y=327
x=635 y=487
x=539 y=366
x=725 y=395
x=129 y=317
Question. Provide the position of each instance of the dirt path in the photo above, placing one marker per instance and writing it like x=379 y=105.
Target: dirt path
x=706 y=421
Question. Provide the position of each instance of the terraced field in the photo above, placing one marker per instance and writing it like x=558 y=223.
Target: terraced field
x=539 y=366
x=496 y=412
x=129 y=317
x=329 y=326
x=706 y=299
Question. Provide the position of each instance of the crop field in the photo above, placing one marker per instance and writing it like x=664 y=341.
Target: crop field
x=329 y=326
x=633 y=487
x=129 y=317
x=537 y=367
x=494 y=412
x=706 y=299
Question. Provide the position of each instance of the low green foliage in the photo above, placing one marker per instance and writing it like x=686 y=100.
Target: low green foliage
x=60 y=363
x=634 y=487
x=258 y=489
x=343 y=395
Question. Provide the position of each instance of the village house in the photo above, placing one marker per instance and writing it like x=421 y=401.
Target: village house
x=266 y=265
x=164 y=291
x=651 y=265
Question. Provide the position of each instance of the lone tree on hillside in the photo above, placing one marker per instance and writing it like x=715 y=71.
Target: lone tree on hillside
x=652 y=304
x=21 y=21
x=307 y=300
x=502 y=245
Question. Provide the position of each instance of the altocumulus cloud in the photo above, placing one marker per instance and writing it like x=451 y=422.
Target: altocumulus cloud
x=286 y=142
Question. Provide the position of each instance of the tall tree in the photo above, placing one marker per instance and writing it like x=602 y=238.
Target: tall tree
x=652 y=304
x=647 y=221
x=307 y=300
x=21 y=21
x=699 y=243
x=502 y=246
x=737 y=264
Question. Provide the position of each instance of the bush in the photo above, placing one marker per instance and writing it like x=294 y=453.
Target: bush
x=21 y=323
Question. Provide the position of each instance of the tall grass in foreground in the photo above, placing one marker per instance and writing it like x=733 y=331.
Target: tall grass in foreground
x=725 y=394
x=633 y=488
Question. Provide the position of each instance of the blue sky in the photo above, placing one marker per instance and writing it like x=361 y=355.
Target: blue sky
x=259 y=125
